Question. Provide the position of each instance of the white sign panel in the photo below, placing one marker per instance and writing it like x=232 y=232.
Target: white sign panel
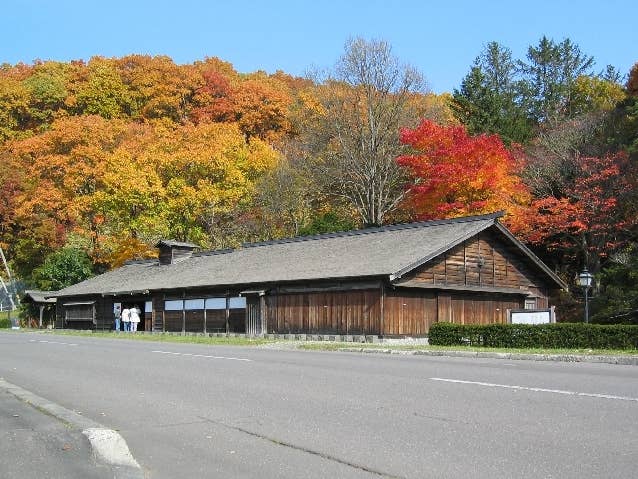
x=531 y=317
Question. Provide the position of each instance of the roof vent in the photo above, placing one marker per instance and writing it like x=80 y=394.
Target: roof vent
x=171 y=252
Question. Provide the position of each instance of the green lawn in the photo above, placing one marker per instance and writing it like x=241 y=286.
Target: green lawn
x=160 y=338
x=4 y=320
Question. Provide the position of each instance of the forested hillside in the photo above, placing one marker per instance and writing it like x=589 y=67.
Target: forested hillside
x=100 y=159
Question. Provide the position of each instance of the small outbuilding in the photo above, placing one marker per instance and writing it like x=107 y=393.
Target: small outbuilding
x=388 y=281
x=42 y=302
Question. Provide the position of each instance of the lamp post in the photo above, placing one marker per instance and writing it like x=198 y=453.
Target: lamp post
x=584 y=280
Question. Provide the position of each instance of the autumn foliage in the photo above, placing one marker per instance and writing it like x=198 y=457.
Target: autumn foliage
x=109 y=155
x=594 y=215
x=455 y=174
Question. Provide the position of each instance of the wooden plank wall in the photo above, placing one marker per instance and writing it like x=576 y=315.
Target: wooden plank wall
x=483 y=260
x=412 y=312
x=480 y=309
x=158 y=312
x=329 y=312
x=173 y=321
x=169 y=255
x=409 y=312
x=195 y=321
x=253 y=315
x=104 y=320
x=103 y=309
x=237 y=320
x=216 y=320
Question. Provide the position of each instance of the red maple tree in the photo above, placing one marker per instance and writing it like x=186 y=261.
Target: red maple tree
x=455 y=174
x=592 y=217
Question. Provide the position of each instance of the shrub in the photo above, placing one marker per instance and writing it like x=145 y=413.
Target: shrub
x=562 y=335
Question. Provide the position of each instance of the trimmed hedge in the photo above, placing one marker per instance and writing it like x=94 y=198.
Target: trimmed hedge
x=556 y=336
x=5 y=323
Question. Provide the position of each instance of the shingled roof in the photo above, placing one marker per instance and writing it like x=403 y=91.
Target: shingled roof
x=388 y=251
x=38 y=296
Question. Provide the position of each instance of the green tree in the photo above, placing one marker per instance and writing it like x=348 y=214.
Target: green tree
x=63 y=268
x=616 y=300
x=550 y=75
x=14 y=107
x=611 y=74
x=489 y=98
x=622 y=124
x=595 y=95
x=328 y=222
x=284 y=195
x=103 y=93
x=47 y=91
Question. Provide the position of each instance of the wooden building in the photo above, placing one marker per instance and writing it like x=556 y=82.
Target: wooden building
x=42 y=302
x=388 y=281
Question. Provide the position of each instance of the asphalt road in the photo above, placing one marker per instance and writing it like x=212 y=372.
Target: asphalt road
x=36 y=445
x=192 y=411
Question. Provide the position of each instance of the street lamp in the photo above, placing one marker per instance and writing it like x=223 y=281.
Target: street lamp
x=584 y=280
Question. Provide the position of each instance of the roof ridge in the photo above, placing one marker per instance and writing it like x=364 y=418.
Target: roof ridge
x=170 y=242
x=213 y=252
x=139 y=261
x=375 y=229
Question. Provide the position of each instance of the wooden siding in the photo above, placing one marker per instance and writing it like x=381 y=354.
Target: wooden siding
x=194 y=321
x=329 y=312
x=480 y=308
x=412 y=312
x=484 y=260
x=99 y=320
x=104 y=320
x=173 y=321
x=216 y=320
x=169 y=255
x=191 y=321
x=253 y=315
x=158 y=313
x=409 y=312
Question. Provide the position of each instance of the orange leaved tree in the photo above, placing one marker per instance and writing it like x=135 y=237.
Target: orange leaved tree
x=455 y=174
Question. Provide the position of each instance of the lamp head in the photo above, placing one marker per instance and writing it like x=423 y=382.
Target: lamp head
x=585 y=279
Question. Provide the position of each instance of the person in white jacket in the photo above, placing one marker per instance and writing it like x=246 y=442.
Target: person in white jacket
x=126 y=319
x=135 y=318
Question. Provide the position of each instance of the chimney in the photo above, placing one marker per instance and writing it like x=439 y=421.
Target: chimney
x=171 y=252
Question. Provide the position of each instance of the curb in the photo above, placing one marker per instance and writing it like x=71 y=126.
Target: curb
x=569 y=358
x=108 y=446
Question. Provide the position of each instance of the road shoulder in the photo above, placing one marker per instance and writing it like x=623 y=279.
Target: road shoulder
x=48 y=440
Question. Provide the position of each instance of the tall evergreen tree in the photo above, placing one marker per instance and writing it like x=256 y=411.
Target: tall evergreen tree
x=550 y=75
x=489 y=99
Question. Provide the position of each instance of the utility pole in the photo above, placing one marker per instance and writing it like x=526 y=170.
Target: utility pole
x=13 y=307
x=9 y=295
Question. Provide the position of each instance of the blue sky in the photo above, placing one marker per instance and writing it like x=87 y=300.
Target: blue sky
x=439 y=38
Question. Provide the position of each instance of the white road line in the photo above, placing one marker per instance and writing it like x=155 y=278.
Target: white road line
x=540 y=390
x=202 y=356
x=51 y=342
